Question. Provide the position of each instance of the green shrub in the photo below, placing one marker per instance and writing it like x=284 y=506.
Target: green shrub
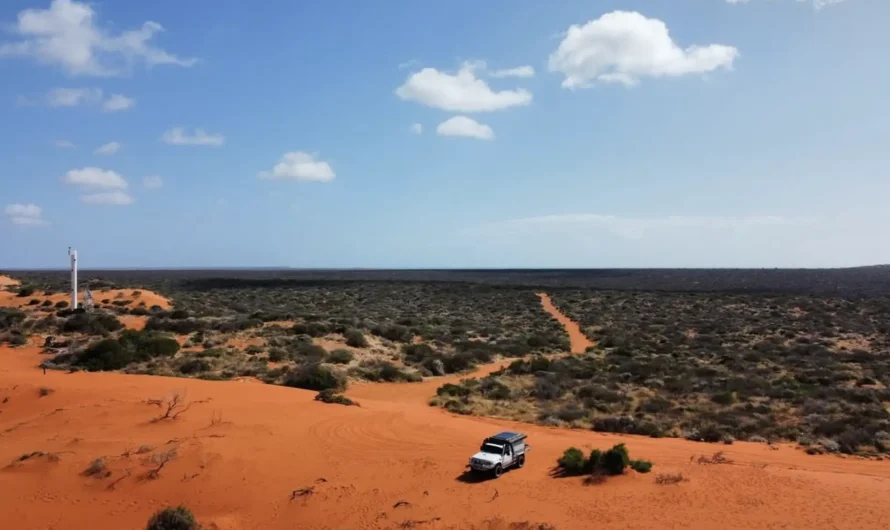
x=194 y=366
x=311 y=352
x=331 y=396
x=641 y=466
x=595 y=461
x=61 y=304
x=10 y=318
x=106 y=354
x=450 y=389
x=25 y=290
x=97 y=323
x=315 y=377
x=355 y=338
x=276 y=355
x=148 y=344
x=615 y=460
x=340 y=356
x=385 y=371
x=179 y=518
x=572 y=462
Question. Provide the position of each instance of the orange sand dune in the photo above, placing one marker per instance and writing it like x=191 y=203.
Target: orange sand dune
x=6 y=280
x=8 y=299
x=244 y=452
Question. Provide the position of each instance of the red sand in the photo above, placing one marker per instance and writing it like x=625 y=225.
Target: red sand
x=243 y=449
x=6 y=280
x=579 y=340
x=8 y=299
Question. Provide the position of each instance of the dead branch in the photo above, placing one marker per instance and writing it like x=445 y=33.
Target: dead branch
x=114 y=484
x=159 y=460
x=304 y=492
x=174 y=406
x=401 y=503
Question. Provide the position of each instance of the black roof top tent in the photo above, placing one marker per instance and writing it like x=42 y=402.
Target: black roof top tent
x=507 y=437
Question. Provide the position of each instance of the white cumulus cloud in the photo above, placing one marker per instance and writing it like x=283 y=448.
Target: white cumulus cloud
x=71 y=97
x=152 y=182
x=464 y=126
x=108 y=149
x=417 y=128
x=179 y=136
x=299 y=165
x=114 y=198
x=117 y=103
x=520 y=72
x=67 y=35
x=622 y=47
x=94 y=177
x=459 y=92
x=25 y=214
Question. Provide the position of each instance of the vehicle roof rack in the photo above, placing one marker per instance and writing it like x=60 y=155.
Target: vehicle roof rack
x=508 y=437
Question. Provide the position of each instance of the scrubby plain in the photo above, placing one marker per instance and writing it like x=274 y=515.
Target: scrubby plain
x=714 y=367
x=245 y=455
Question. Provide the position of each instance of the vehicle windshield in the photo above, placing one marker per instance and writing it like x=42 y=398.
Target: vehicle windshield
x=493 y=449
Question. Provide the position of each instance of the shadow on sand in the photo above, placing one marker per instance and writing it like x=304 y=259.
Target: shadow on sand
x=474 y=477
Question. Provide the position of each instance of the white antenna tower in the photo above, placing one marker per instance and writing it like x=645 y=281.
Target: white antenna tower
x=73 y=254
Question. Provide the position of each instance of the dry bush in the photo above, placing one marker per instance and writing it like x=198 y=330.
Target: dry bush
x=97 y=469
x=158 y=461
x=173 y=406
x=669 y=478
x=44 y=391
x=717 y=458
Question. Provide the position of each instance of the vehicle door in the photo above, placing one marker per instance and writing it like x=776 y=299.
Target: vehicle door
x=508 y=455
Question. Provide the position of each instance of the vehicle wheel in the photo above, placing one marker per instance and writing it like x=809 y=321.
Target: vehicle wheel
x=498 y=470
x=521 y=461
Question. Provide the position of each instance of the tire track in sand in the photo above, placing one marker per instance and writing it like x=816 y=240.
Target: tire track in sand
x=578 y=340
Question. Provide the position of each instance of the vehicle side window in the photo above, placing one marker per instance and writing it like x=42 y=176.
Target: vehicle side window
x=509 y=449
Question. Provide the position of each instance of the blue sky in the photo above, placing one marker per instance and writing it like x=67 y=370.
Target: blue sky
x=639 y=133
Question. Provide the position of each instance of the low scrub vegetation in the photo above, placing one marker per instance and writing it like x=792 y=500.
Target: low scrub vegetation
x=613 y=461
x=178 y=518
x=117 y=353
x=713 y=368
x=332 y=396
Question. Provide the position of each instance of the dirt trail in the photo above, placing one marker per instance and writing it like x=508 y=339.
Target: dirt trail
x=243 y=450
x=578 y=339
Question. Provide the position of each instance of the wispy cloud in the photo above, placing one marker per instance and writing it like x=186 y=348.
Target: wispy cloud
x=113 y=198
x=25 y=214
x=153 y=182
x=108 y=149
x=179 y=136
x=67 y=35
x=72 y=97
x=817 y=4
x=118 y=103
x=638 y=227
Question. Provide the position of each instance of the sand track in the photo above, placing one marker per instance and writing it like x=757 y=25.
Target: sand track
x=244 y=450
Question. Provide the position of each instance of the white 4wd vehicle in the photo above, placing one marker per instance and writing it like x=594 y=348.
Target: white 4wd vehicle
x=499 y=452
